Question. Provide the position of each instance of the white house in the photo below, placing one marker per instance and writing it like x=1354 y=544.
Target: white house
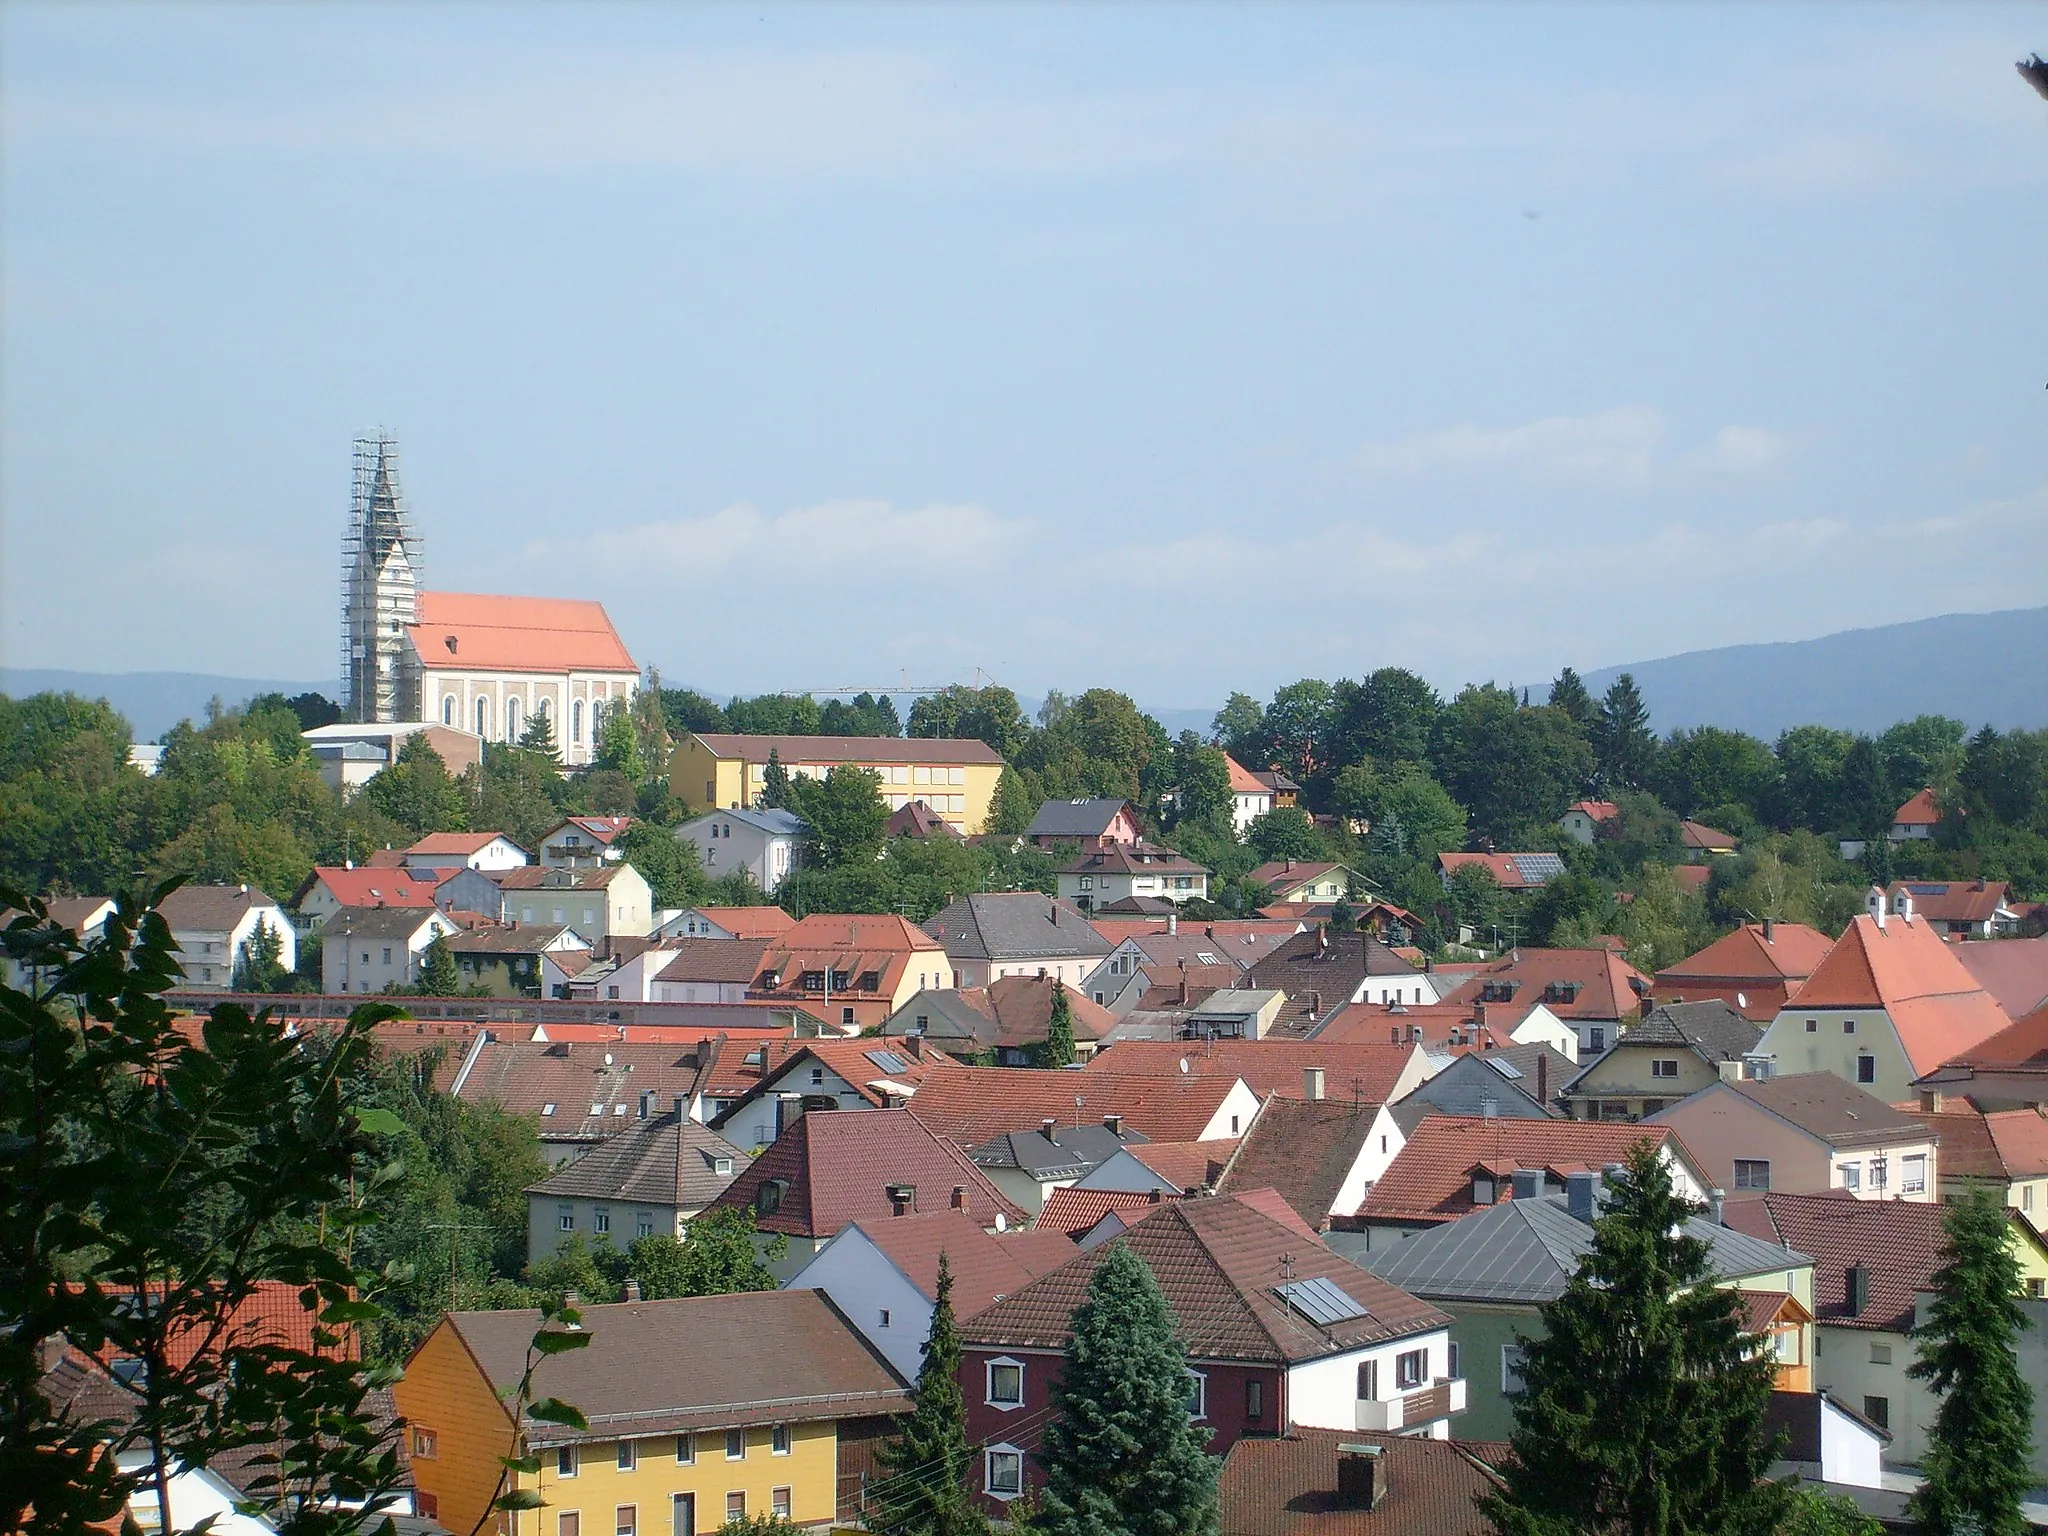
x=85 y=916
x=366 y=949
x=583 y=841
x=762 y=842
x=212 y=926
x=992 y=934
x=609 y=901
x=1099 y=876
x=449 y=851
x=349 y=755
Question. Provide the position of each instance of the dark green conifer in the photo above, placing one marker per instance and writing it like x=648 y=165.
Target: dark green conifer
x=925 y=1493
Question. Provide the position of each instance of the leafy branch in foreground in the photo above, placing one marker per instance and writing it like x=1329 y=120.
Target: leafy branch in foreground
x=546 y=1342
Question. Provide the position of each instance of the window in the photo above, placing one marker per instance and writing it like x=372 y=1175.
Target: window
x=1880 y=1354
x=1254 y=1399
x=565 y=1461
x=2026 y=1197
x=1866 y=1068
x=629 y=1519
x=1664 y=1066
x=778 y=1443
x=817 y=1076
x=1411 y=1369
x=643 y=1224
x=768 y=1199
x=1596 y=1039
x=1879 y=1411
x=576 y=721
x=1006 y=1383
x=568 y=1523
x=1512 y=1359
x=511 y=719
x=426 y=1445
x=735 y=1445
x=2037 y=1289
x=812 y=981
x=626 y=1456
x=1848 y=1026
x=1198 y=1395
x=1482 y=1188
x=448 y=710
x=885 y=1317
x=846 y=1016
x=1752 y=1173
x=1454 y=1359
x=1087 y=882
x=1880 y=1172
x=1368 y=1380
x=778 y=1502
x=1003 y=1472
x=1852 y=1175
x=483 y=717
x=387 y=954
x=686 y=1450
x=736 y=1505
x=601 y=1216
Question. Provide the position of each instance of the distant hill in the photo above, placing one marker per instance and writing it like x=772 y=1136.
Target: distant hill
x=1980 y=668
x=152 y=701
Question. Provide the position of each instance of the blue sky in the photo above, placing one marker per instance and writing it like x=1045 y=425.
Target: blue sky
x=1173 y=349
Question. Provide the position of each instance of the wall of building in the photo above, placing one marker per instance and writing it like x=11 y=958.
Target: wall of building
x=809 y=1470
x=876 y=1297
x=349 y=963
x=1719 y=1127
x=1828 y=1047
x=450 y=696
x=1624 y=1076
x=960 y=793
x=1323 y=1394
x=443 y=1393
x=617 y=1222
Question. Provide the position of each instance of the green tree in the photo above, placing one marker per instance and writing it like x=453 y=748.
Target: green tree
x=929 y=1461
x=1810 y=759
x=1474 y=898
x=416 y=792
x=539 y=735
x=1285 y=832
x=991 y=714
x=1709 y=766
x=688 y=711
x=618 y=746
x=1924 y=752
x=718 y=1254
x=1420 y=818
x=517 y=792
x=1059 y=1029
x=194 y=1174
x=439 y=976
x=74 y=816
x=775 y=791
x=1982 y=1440
x=845 y=818
x=1643 y=1404
x=1298 y=727
x=1387 y=718
x=1201 y=777
x=673 y=869
x=1016 y=803
x=1122 y=1455
x=259 y=964
x=1815 y=1513
x=1569 y=694
x=1240 y=728
x=1512 y=768
x=1624 y=751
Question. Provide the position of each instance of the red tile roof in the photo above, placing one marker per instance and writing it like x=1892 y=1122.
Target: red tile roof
x=1287 y=1486
x=1595 y=810
x=838 y=1167
x=2003 y=1145
x=1920 y=811
x=370 y=887
x=1955 y=901
x=1502 y=866
x=1763 y=970
x=593 y=1088
x=1705 y=839
x=1301 y=1150
x=1691 y=878
x=2023 y=1044
x=1021 y=1007
x=473 y=632
x=1906 y=970
x=1186 y=1165
x=1898 y=1243
x=971 y=1105
x=1241 y=780
x=1217 y=1261
x=750 y=922
x=1430 y=1179
x=986 y=1266
x=2013 y=971
x=1610 y=989
x=456 y=842
x=1366 y=1072
x=1072 y=1212
x=1282 y=873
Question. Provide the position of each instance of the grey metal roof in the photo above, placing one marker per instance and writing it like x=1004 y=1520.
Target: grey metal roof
x=1014 y=925
x=1473 y=1081
x=947 y=1015
x=776 y=823
x=669 y=1160
x=1527 y=1250
x=378 y=922
x=1073 y=1151
x=1074 y=818
x=1711 y=1029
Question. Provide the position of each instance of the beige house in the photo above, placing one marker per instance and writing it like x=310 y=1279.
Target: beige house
x=611 y=901
x=2005 y=1151
x=1674 y=1053
x=1806 y=1135
x=955 y=780
x=647 y=1181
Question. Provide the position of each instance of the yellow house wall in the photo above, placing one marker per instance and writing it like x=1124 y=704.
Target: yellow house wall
x=1624 y=1074
x=733 y=782
x=443 y=1391
x=1829 y=1049
x=810 y=1471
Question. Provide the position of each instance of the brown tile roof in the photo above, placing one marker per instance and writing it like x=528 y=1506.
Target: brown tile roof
x=668 y=1160
x=831 y=751
x=516 y=634
x=1705 y=839
x=838 y=1166
x=1020 y=1010
x=509 y=938
x=2003 y=1144
x=209 y=908
x=971 y=1105
x=863 y=1063
x=1217 y=1261
x=1837 y=1111
x=1507 y=873
x=537 y=877
x=1287 y=1486
x=1132 y=859
x=602 y=828
x=1186 y=1165
x=1071 y=1212
x=750 y=922
x=1906 y=970
x=1301 y=1150
x=1609 y=987
x=1366 y=1072
x=818 y=1368
x=1897 y=1243
x=456 y=842
x=1282 y=873
x=2013 y=971
x=1332 y=964
x=736 y=1069
x=734 y=961
x=1430 y=1179
x=594 y=1088
x=986 y=1265
x=916 y=819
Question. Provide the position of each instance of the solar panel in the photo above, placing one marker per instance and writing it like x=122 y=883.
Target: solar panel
x=1927 y=890
x=1536 y=867
x=1506 y=1069
x=888 y=1061
x=1319 y=1300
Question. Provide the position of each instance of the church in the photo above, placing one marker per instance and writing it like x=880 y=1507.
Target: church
x=486 y=664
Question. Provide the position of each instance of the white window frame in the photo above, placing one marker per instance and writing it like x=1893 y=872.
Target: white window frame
x=1422 y=1377
x=565 y=1461
x=1752 y=1163
x=988 y=1382
x=779 y=1440
x=628 y=1456
x=1852 y=1175
x=1015 y=1457
x=1198 y=1396
x=729 y=1434
x=1664 y=1066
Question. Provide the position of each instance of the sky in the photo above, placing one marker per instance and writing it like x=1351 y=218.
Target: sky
x=1172 y=349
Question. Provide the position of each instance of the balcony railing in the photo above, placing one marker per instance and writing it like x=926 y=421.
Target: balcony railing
x=1440 y=1399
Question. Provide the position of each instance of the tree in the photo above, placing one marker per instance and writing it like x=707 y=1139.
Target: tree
x=775 y=795
x=416 y=792
x=1059 y=1028
x=259 y=966
x=1422 y=812
x=717 y=1255
x=191 y=1173
x=618 y=745
x=1642 y=1409
x=1982 y=1440
x=1016 y=803
x=539 y=735
x=1285 y=832
x=1298 y=727
x=845 y=817
x=929 y=1461
x=990 y=715
x=1815 y=1513
x=672 y=868
x=1512 y=768
x=1570 y=695
x=439 y=976
x=1240 y=728
x=1202 y=796
x=1121 y=1454
x=687 y=710
x=1624 y=751
x=1387 y=718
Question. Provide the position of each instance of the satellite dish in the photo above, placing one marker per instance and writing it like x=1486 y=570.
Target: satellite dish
x=1742 y=1000
x=1183 y=1065
x=607 y=1058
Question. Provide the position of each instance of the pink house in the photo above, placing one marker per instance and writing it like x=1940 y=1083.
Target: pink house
x=1091 y=823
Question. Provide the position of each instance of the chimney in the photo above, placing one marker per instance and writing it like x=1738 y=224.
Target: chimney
x=902 y=1199
x=1046 y=1128
x=1903 y=905
x=1173 y=925
x=1055 y=911
x=646 y=1102
x=1714 y=1199
x=1770 y=930
x=959 y=1197
x=1312 y=1084
x=916 y=1043
x=1874 y=904
x=1361 y=1476
x=1543 y=1079
x=1527 y=1184
x=679 y=1108
x=1114 y=1124
x=1322 y=940
x=632 y=1289
x=1856 y=1289
x=1155 y=1195
x=1581 y=1195
x=1315 y=1003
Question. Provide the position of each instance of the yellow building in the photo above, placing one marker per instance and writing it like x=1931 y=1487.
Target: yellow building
x=956 y=780
x=700 y=1410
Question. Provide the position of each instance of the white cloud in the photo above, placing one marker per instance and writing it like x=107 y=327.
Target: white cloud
x=1613 y=447
x=1741 y=451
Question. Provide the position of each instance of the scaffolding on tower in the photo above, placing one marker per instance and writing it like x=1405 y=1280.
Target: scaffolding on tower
x=380 y=577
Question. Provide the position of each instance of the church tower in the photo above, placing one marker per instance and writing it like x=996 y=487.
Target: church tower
x=380 y=591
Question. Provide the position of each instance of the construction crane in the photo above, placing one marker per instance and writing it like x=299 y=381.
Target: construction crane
x=981 y=680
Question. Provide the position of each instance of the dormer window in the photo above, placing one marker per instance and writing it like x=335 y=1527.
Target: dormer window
x=812 y=981
x=1497 y=992
x=768 y=1199
x=1482 y=1189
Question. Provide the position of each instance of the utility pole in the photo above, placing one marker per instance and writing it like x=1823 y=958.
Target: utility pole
x=454 y=1229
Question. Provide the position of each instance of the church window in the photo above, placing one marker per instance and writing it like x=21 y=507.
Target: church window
x=576 y=722
x=511 y=719
x=448 y=710
x=483 y=717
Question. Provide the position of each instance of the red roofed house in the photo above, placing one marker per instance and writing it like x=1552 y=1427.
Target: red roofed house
x=1305 y=881
x=1081 y=1216
x=1582 y=821
x=607 y=901
x=2003 y=1150
x=1141 y=872
x=973 y=1105
x=1514 y=872
x=2014 y=972
x=851 y=970
x=827 y=1171
x=1755 y=969
x=1916 y=820
x=822 y=1075
x=726 y=923
x=1889 y=1003
x=1252 y=795
x=1279 y=1331
x=1963 y=909
x=445 y=852
x=1594 y=991
x=491 y=664
x=1364 y=1072
x=327 y=890
x=1323 y=1482
x=582 y=841
x=1453 y=1165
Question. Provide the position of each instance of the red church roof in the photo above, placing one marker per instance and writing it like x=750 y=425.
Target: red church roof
x=474 y=632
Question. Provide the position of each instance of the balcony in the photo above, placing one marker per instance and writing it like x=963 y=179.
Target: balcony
x=1440 y=1399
